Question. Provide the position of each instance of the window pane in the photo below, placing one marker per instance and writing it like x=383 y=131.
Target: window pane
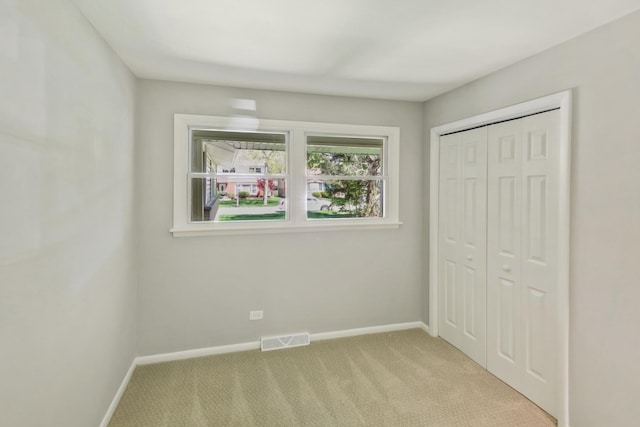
x=203 y=198
x=359 y=198
x=346 y=156
x=238 y=199
x=242 y=165
x=238 y=152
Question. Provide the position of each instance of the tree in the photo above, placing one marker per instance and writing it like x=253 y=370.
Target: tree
x=270 y=184
x=359 y=195
x=273 y=162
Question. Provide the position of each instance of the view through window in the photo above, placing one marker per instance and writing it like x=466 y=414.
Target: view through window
x=344 y=177
x=238 y=176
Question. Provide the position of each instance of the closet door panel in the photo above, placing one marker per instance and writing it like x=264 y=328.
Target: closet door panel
x=451 y=296
x=521 y=255
x=504 y=211
x=449 y=304
x=472 y=251
x=540 y=169
x=462 y=242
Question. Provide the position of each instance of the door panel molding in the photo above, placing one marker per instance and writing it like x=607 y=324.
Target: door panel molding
x=533 y=267
x=536 y=149
x=463 y=246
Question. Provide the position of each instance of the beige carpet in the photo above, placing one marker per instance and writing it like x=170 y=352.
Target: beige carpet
x=404 y=378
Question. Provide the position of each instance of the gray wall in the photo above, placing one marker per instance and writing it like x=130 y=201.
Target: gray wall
x=68 y=296
x=67 y=252
x=603 y=67
x=197 y=292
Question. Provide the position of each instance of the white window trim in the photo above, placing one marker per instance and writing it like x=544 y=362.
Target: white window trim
x=296 y=219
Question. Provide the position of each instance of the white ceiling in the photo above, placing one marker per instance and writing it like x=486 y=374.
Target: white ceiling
x=391 y=49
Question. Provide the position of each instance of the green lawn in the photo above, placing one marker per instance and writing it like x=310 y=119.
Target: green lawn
x=257 y=202
x=280 y=216
x=329 y=214
x=250 y=217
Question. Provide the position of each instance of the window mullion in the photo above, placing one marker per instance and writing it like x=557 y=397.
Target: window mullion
x=297 y=189
x=202 y=175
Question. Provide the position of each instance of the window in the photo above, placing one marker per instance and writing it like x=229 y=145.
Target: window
x=349 y=172
x=282 y=176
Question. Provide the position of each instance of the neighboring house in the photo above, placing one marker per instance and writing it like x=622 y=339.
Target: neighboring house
x=315 y=186
x=231 y=185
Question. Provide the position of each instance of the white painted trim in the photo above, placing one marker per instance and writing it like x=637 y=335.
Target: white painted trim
x=434 y=183
x=254 y=345
x=296 y=220
x=424 y=327
x=118 y=396
x=367 y=330
x=564 y=258
x=563 y=101
x=193 y=230
x=198 y=352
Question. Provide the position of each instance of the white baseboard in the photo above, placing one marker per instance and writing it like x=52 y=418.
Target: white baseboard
x=367 y=330
x=119 y=393
x=424 y=327
x=198 y=352
x=253 y=345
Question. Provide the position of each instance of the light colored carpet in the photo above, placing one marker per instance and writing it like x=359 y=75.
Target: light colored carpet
x=404 y=378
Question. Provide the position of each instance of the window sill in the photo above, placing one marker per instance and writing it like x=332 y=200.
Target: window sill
x=197 y=230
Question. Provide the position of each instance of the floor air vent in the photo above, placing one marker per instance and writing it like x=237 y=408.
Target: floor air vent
x=284 y=341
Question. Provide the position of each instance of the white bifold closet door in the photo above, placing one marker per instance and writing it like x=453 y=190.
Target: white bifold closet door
x=522 y=246
x=463 y=231
x=498 y=275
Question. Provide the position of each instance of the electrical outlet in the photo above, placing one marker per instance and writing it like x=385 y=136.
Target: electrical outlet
x=256 y=315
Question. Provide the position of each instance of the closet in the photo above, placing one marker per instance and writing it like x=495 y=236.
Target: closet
x=498 y=250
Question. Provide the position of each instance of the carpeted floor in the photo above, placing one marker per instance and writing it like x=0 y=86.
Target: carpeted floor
x=404 y=378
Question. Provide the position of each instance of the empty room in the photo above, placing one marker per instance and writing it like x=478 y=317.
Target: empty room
x=336 y=213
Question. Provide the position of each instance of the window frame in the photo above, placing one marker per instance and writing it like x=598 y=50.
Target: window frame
x=296 y=215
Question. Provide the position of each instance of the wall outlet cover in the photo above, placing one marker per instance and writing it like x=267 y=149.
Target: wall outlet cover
x=256 y=315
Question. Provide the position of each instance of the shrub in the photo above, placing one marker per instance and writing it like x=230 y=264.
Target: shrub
x=243 y=194
x=317 y=194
